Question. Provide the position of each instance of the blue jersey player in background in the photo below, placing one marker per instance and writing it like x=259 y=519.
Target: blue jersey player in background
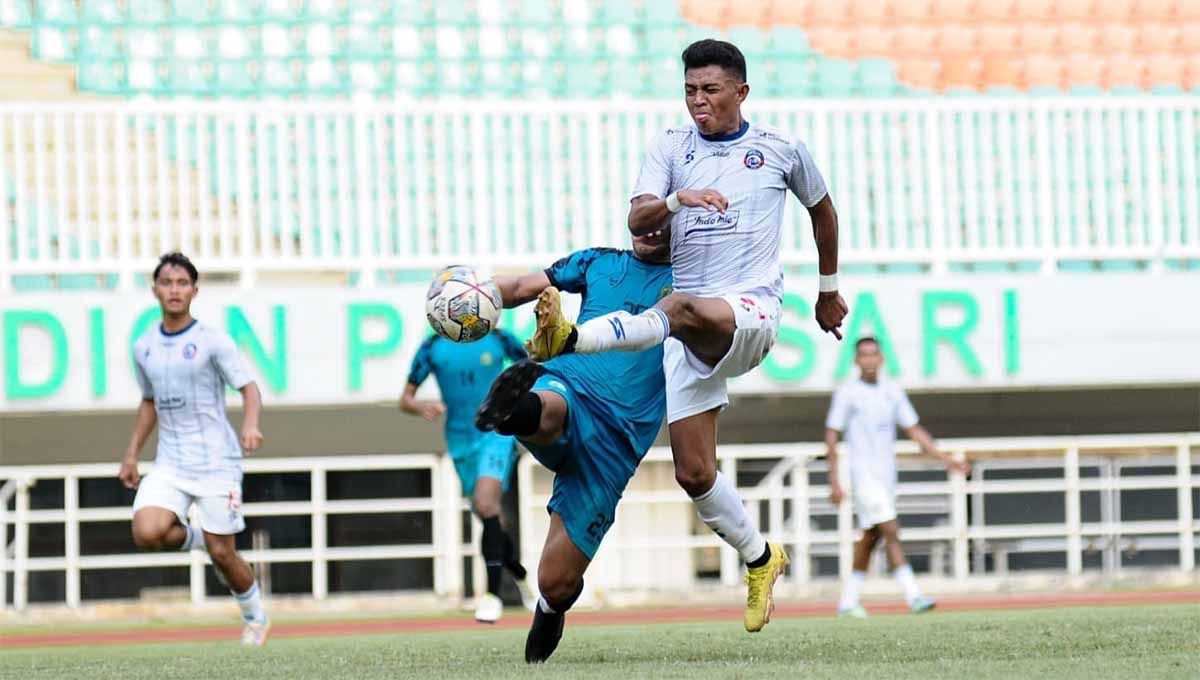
x=484 y=460
x=590 y=418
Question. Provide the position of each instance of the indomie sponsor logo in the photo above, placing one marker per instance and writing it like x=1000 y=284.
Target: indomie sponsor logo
x=713 y=222
x=170 y=403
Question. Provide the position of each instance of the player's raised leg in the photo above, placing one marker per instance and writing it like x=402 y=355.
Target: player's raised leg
x=850 y=604
x=901 y=569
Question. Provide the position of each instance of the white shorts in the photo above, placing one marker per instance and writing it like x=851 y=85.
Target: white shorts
x=874 y=504
x=695 y=387
x=218 y=501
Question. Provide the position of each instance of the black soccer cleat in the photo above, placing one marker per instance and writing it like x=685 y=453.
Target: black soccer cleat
x=504 y=393
x=544 y=634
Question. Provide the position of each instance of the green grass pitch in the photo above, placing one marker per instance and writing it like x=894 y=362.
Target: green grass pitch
x=1092 y=643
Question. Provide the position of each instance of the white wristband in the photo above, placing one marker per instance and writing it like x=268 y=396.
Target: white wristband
x=827 y=284
x=673 y=204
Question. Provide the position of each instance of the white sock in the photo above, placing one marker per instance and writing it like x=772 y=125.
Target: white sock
x=904 y=576
x=250 y=602
x=623 y=331
x=722 y=510
x=851 y=590
x=194 y=539
x=545 y=606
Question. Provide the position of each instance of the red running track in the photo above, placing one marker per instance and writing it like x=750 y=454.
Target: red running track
x=616 y=617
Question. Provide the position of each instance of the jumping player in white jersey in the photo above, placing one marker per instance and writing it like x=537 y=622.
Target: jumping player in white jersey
x=867 y=412
x=182 y=367
x=719 y=186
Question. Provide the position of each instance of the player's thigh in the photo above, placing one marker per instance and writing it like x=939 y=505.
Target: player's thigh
x=562 y=564
x=219 y=508
x=159 y=504
x=553 y=423
x=889 y=530
x=705 y=325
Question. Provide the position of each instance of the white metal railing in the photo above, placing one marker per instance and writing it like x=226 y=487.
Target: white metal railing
x=445 y=504
x=966 y=538
x=248 y=187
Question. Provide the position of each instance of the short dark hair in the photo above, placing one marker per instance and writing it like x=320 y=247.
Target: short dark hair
x=180 y=260
x=710 y=52
x=865 y=340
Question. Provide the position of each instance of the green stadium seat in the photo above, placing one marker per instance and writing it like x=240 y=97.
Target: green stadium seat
x=453 y=13
x=16 y=14
x=537 y=13
x=98 y=42
x=877 y=78
x=51 y=43
x=102 y=12
x=662 y=13
x=836 y=78
x=618 y=13
x=190 y=78
x=103 y=77
x=753 y=42
x=243 y=12
x=184 y=12
x=788 y=42
x=146 y=12
x=793 y=77
x=233 y=79
x=61 y=13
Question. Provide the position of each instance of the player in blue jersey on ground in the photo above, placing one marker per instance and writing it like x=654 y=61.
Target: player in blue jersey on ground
x=484 y=460
x=588 y=418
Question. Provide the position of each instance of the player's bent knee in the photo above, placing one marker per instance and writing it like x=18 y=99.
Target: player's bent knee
x=147 y=538
x=222 y=552
x=696 y=480
x=556 y=587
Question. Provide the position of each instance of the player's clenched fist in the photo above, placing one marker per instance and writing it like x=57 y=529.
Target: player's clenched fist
x=709 y=199
x=831 y=310
x=129 y=473
x=251 y=438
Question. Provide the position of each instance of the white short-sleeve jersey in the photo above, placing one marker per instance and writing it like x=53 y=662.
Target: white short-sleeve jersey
x=185 y=374
x=736 y=252
x=867 y=415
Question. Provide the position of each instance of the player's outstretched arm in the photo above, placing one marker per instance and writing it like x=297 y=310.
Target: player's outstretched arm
x=251 y=409
x=143 y=425
x=929 y=447
x=518 y=290
x=836 y=493
x=831 y=308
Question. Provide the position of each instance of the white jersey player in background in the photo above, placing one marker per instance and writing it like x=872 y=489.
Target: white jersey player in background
x=182 y=367
x=719 y=186
x=867 y=411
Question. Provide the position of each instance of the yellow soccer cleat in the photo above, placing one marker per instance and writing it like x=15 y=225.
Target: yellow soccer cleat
x=761 y=584
x=553 y=329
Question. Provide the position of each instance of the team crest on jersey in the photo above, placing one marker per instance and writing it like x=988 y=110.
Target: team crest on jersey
x=664 y=291
x=753 y=159
x=189 y=350
x=486 y=359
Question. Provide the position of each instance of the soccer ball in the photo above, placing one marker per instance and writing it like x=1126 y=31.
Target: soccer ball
x=461 y=306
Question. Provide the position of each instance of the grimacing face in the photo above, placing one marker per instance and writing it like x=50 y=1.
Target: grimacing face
x=174 y=289
x=653 y=247
x=714 y=99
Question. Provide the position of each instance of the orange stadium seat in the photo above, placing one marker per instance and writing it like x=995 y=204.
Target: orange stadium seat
x=1153 y=10
x=1117 y=37
x=1042 y=71
x=1189 y=38
x=755 y=13
x=920 y=72
x=1037 y=38
x=1125 y=71
x=1084 y=72
x=1158 y=37
x=956 y=39
x=873 y=41
x=829 y=13
x=996 y=10
x=916 y=11
x=706 y=12
x=1000 y=71
x=870 y=12
x=1191 y=74
x=962 y=72
x=831 y=41
x=1078 y=37
x=953 y=10
x=1164 y=71
x=1187 y=10
x=1073 y=10
x=912 y=40
x=785 y=13
x=997 y=38
x=1034 y=10
x=1113 y=10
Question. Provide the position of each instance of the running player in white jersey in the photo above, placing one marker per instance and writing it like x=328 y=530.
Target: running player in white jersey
x=182 y=367
x=867 y=412
x=719 y=186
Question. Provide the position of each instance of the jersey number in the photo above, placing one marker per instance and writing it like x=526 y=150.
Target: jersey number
x=599 y=526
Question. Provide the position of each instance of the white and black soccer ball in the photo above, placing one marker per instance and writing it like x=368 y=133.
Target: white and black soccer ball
x=462 y=306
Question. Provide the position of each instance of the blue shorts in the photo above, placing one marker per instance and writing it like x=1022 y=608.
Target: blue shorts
x=593 y=462
x=481 y=454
